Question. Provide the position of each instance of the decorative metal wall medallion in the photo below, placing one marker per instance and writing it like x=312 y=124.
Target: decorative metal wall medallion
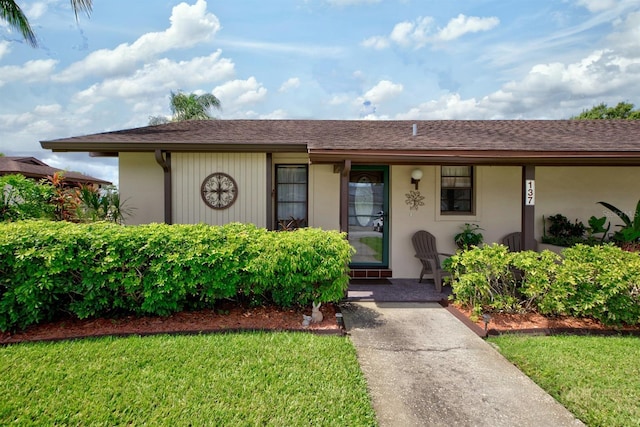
x=219 y=191
x=414 y=200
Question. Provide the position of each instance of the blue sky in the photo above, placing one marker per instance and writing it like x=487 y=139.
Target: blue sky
x=310 y=59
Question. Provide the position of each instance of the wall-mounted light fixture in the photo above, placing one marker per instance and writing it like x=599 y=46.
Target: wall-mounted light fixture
x=416 y=176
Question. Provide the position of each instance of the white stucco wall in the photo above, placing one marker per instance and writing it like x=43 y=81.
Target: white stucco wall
x=497 y=212
x=575 y=191
x=324 y=199
x=141 y=187
x=571 y=191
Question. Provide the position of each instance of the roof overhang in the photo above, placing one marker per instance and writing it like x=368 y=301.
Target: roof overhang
x=495 y=158
x=110 y=148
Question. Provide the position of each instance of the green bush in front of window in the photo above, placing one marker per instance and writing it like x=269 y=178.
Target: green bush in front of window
x=602 y=282
x=49 y=269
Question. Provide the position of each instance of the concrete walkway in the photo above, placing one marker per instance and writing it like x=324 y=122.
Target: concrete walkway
x=425 y=368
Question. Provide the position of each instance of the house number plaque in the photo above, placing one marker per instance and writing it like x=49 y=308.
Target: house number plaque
x=530 y=189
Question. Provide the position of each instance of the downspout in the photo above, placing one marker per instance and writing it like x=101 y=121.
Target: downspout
x=344 y=196
x=165 y=163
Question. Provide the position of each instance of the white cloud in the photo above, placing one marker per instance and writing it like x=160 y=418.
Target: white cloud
x=275 y=115
x=237 y=94
x=547 y=91
x=38 y=70
x=448 y=107
x=190 y=25
x=308 y=50
x=370 y=101
x=626 y=35
x=339 y=99
x=383 y=91
x=46 y=110
x=376 y=42
x=412 y=33
x=291 y=83
x=597 y=5
x=461 y=25
x=160 y=77
x=351 y=2
x=4 y=48
x=36 y=10
x=422 y=31
x=601 y=72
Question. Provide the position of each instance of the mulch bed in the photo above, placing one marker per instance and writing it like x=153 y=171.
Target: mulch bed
x=226 y=319
x=537 y=324
x=269 y=318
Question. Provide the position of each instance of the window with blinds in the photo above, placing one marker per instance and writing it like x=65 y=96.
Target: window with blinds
x=291 y=196
x=456 y=190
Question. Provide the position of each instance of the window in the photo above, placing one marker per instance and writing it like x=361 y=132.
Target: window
x=291 y=196
x=456 y=190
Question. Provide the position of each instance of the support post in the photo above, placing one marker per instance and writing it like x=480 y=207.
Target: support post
x=165 y=162
x=270 y=192
x=344 y=196
x=528 y=207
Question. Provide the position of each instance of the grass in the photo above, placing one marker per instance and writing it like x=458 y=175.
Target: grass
x=375 y=243
x=596 y=378
x=224 y=379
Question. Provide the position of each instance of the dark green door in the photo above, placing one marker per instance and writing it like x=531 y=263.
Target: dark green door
x=368 y=216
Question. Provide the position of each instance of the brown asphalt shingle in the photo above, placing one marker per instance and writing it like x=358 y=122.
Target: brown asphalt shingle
x=475 y=135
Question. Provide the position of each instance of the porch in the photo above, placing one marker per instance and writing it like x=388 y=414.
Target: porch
x=395 y=290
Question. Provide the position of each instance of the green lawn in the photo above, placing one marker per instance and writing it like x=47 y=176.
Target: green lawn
x=225 y=379
x=596 y=378
x=375 y=243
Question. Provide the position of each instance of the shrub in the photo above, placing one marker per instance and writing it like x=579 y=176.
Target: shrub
x=483 y=279
x=292 y=267
x=602 y=282
x=52 y=268
x=23 y=198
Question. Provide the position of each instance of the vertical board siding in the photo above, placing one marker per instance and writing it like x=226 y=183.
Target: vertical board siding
x=247 y=169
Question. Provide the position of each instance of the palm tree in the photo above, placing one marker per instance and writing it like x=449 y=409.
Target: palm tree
x=192 y=106
x=15 y=17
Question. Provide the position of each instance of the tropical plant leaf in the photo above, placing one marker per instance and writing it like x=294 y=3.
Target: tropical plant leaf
x=636 y=218
x=623 y=216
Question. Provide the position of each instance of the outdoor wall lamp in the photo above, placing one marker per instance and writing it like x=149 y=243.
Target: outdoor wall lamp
x=416 y=176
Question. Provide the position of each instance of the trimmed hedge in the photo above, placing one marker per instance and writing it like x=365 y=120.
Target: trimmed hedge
x=100 y=269
x=602 y=282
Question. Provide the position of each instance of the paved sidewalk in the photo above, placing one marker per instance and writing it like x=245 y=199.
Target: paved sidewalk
x=425 y=368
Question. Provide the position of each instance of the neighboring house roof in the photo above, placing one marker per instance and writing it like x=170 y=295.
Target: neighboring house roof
x=34 y=168
x=437 y=141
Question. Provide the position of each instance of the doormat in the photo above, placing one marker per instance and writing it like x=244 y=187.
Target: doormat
x=369 y=281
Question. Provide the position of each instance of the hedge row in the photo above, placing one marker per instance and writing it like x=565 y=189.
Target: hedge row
x=100 y=269
x=602 y=282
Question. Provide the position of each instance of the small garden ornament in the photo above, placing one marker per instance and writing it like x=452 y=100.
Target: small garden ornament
x=316 y=314
x=306 y=321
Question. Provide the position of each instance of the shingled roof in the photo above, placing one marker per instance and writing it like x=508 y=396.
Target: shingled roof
x=439 y=141
x=34 y=168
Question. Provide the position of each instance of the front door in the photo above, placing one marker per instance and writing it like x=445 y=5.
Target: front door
x=368 y=216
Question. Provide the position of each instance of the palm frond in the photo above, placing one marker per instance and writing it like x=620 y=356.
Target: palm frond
x=15 y=17
x=82 y=6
